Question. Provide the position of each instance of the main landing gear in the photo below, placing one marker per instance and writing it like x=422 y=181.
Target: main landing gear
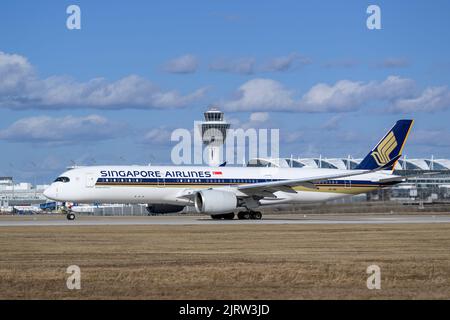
x=225 y=216
x=247 y=215
x=242 y=215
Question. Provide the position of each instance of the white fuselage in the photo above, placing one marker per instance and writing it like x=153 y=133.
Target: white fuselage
x=168 y=184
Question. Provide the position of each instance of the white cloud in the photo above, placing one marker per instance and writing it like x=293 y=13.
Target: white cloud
x=431 y=99
x=261 y=94
x=343 y=96
x=244 y=66
x=285 y=63
x=158 y=136
x=68 y=129
x=394 y=87
x=293 y=136
x=259 y=117
x=389 y=63
x=15 y=72
x=347 y=95
x=255 y=120
x=431 y=138
x=20 y=88
x=248 y=66
x=187 y=63
x=333 y=123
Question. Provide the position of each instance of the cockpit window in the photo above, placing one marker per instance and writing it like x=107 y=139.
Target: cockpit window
x=62 y=179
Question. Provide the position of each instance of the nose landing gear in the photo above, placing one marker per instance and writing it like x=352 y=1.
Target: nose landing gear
x=68 y=211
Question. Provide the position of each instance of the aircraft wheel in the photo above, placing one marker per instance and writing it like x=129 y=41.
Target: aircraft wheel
x=256 y=215
x=228 y=216
x=244 y=215
x=70 y=216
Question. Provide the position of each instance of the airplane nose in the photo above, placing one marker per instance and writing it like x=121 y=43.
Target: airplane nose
x=49 y=193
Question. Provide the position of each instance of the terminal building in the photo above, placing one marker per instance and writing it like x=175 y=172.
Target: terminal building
x=20 y=194
x=350 y=163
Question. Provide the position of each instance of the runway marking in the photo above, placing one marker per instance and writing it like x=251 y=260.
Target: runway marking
x=109 y=221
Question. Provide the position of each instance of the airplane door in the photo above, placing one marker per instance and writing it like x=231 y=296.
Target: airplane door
x=347 y=184
x=90 y=180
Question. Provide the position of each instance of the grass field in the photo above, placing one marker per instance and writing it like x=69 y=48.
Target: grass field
x=226 y=262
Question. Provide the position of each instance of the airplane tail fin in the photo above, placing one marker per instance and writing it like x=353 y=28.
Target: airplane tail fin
x=389 y=149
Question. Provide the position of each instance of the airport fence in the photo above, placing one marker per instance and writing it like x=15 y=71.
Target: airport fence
x=129 y=210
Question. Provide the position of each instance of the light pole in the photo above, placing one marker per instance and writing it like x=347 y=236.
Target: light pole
x=12 y=200
x=34 y=177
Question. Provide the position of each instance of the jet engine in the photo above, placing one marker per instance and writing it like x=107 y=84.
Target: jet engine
x=215 y=201
x=160 y=208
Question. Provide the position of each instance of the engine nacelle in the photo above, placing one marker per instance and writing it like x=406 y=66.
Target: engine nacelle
x=163 y=208
x=215 y=201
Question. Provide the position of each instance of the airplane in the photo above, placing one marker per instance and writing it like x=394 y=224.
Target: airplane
x=220 y=191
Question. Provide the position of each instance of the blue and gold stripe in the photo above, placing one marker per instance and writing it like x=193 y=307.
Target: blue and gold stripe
x=337 y=186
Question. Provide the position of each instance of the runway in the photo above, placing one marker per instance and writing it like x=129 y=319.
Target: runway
x=283 y=256
x=12 y=221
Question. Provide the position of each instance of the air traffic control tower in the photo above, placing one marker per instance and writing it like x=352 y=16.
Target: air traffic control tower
x=214 y=132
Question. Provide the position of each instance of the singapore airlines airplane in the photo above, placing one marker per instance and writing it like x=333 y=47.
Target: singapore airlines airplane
x=220 y=191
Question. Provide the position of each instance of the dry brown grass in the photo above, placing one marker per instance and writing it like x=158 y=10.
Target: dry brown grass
x=226 y=262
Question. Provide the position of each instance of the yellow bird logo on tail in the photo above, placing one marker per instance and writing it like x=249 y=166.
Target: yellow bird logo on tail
x=384 y=149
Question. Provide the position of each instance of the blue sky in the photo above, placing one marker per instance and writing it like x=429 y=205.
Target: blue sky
x=113 y=91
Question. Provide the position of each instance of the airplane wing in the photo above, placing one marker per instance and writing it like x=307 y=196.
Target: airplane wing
x=265 y=189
